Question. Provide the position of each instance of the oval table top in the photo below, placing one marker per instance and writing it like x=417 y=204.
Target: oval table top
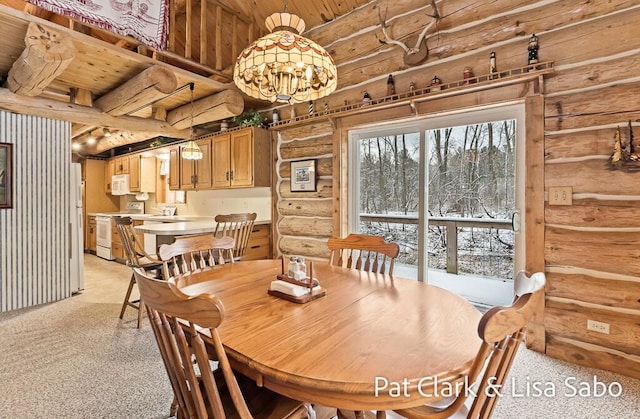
x=374 y=342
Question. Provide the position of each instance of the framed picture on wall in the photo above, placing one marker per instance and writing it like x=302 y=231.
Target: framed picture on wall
x=303 y=176
x=6 y=175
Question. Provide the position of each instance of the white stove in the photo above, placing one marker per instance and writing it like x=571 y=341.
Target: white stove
x=103 y=226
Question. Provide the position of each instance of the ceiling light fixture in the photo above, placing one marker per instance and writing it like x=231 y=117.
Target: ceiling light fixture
x=284 y=66
x=191 y=151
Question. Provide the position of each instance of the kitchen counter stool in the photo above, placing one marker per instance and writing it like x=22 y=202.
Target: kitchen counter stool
x=136 y=258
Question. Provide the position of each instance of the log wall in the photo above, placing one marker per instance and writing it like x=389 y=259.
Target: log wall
x=591 y=249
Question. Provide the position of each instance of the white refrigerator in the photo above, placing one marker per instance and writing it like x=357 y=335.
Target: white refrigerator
x=76 y=229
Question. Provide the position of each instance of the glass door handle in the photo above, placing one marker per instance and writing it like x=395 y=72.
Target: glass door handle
x=515 y=221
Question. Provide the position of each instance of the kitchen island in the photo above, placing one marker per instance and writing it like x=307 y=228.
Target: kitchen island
x=165 y=228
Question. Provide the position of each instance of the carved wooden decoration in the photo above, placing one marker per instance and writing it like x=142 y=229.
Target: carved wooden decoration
x=626 y=155
x=46 y=55
x=420 y=52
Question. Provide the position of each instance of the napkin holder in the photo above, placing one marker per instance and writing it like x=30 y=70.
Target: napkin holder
x=311 y=285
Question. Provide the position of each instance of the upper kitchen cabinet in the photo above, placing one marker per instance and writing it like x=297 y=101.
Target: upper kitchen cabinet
x=121 y=165
x=147 y=169
x=134 y=172
x=141 y=171
x=174 y=168
x=242 y=159
x=196 y=174
x=109 y=171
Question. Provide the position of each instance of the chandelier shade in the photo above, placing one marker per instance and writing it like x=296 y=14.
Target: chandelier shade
x=284 y=66
x=191 y=151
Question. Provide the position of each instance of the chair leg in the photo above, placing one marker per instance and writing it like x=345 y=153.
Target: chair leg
x=125 y=303
x=138 y=304
x=140 y=310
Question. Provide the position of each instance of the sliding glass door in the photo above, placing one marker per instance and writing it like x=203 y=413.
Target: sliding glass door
x=447 y=189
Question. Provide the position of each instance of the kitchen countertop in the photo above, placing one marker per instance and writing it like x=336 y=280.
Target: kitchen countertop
x=176 y=226
x=172 y=218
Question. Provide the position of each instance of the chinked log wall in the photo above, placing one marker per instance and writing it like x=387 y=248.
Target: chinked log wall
x=592 y=248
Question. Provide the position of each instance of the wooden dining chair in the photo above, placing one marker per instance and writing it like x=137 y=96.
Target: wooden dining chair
x=238 y=226
x=190 y=254
x=502 y=329
x=364 y=253
x=136 y=258
x=186 y=332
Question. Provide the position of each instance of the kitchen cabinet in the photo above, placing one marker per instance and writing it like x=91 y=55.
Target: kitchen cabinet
x=141 y=171
x=91 y=235
x=117 y=250
x=109 y=171
x=259 y=245
x=133 y=164
x=242 y=159
x=121 y=165
x=196 y=174
x=174 y=169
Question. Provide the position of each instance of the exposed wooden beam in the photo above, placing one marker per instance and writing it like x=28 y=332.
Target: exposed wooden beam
x=81 y=97
x=152 y=84
x=46 y=55
x=211 y=108
x=48 y=108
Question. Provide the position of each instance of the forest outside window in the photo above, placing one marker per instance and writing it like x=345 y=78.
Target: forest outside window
x=469 y=179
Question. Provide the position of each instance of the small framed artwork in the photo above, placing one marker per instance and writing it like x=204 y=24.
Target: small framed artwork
x=6 y=174
x=303 y=176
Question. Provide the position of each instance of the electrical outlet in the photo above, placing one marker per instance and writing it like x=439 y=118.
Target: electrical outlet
x=560 y=195
x=598 y=326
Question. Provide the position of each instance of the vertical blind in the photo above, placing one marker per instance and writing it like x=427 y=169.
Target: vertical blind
x=34 y=233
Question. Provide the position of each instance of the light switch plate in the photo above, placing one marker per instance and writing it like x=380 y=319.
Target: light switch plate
x=560 y=195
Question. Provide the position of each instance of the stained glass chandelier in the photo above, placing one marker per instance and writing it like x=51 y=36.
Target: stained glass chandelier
x=284 y=66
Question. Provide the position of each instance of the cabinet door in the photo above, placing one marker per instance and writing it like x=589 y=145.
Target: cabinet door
x=174 y=169
x=134 y=172
x=120 y=167
x=196 y=174
x=92 y=235
x=242 y=158
x=148 y=176
x=221 y=162
x=124 y=165
x=109 y=171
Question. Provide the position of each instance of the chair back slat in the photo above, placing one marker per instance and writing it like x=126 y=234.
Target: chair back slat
x=133 y=247
x=176 y=321
x=237 y=226
x=365 y=253
x=190 y=254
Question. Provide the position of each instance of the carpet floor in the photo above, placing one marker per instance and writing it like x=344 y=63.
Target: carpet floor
x=76 y=359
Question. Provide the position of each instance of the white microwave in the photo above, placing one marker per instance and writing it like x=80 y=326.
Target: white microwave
x=120 y=185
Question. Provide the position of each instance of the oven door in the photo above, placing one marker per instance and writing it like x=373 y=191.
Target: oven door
x=103 y=239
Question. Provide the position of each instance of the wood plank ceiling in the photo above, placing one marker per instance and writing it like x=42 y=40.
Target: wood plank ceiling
x=102 y=62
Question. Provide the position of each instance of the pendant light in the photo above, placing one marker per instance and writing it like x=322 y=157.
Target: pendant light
x=191 y=151
x=284 y=66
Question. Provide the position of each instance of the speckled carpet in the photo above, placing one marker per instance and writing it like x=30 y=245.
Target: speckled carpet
x=76 y=359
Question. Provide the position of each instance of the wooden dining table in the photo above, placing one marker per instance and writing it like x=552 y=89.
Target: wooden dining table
x=373 y=342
